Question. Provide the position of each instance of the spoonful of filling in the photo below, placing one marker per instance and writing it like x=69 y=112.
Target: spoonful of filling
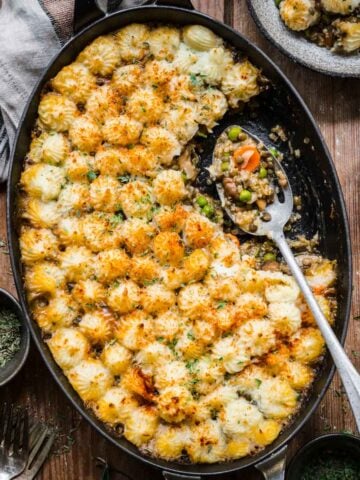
x=248 y=179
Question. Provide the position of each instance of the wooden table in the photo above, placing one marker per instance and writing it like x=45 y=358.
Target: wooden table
x=335 y=104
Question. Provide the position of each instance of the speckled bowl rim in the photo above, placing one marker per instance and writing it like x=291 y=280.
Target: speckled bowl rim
x=266 y=16
x=19 y=360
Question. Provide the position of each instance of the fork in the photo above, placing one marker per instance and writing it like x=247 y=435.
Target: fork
x=14 y=441
x=41 y=439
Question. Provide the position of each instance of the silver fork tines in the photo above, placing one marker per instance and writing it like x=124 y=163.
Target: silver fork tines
x=14 y=441
x=21 y=434
x=41 y=440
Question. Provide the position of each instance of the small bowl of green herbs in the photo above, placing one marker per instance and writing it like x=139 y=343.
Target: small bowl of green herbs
x=330 y=457
x=14 y=337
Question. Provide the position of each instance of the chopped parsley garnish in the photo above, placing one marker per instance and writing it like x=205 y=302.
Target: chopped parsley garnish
x=221 y=304
x=172 y=344
x=153 y=211
x=193 y=79
x=191 y=365
x=124 y=178
x=196 y=79
x=258 y=382
x=116 y=219
x=190 y=336
x=91 y=175
x=145 y=199
x=151 y=282
x=194 y=381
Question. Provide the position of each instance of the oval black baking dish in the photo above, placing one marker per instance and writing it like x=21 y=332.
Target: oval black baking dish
x=313 y=176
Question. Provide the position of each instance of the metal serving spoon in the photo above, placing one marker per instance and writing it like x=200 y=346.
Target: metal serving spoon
x=280 y=211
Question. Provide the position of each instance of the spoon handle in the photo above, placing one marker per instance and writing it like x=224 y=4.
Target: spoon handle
x=348 y=374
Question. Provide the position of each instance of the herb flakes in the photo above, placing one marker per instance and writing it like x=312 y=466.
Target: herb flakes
x=4 y=247
x=10 y=337
x=331 y=465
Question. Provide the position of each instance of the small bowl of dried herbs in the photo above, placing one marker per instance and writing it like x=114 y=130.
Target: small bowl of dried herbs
x=335 y=456
x=14 y=337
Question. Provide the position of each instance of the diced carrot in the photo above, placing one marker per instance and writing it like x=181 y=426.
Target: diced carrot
x=250 y=156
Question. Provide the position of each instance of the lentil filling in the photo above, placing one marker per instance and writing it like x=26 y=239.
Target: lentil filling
x=247 y=172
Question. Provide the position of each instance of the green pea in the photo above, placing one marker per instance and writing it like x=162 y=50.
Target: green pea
x=208 y=210
x=269 y=257
x=201 y=201
x=225 y=166
x=245 y=196
x=274 y=152
x=263 y=172
x=233 y=133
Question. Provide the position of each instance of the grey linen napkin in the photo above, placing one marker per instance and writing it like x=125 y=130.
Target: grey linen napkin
x=27 y=41
x=31 y=32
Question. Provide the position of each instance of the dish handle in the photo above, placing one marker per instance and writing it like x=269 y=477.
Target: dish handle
x=88 y=11
x=172 y=3
x=273 y=468
x=177 y=476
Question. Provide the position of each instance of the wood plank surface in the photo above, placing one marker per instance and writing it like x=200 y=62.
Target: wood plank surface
x=335 y=104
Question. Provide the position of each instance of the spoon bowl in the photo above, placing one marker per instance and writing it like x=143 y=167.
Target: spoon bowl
x=281 y=207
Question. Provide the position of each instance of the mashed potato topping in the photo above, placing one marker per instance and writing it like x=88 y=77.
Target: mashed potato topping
x=160 y=320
